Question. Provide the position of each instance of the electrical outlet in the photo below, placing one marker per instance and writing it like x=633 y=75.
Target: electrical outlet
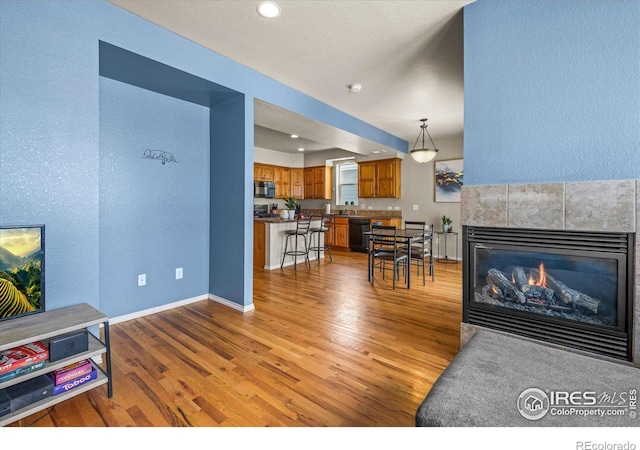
x=415 y=207
x=179 y=273
x=142 y=279
x=369 y=207
x=397 y=208
x=389 y=208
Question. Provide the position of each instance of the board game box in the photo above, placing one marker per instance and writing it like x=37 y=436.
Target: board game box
x=72 y=384
x=72 y=371
x=21 y=356
x=21 y=371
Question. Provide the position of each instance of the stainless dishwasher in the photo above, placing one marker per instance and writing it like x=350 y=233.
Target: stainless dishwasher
x=357 y=241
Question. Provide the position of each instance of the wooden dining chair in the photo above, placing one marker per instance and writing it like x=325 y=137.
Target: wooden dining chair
x=385 y=250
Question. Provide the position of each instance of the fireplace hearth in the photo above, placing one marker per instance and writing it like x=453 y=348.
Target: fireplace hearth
x=570 y=288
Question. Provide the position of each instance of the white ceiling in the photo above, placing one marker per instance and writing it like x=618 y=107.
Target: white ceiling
x=408 y=56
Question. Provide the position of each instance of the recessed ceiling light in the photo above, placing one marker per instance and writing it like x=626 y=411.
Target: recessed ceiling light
x=294 y=136
x=269 y=10
x=300 y=149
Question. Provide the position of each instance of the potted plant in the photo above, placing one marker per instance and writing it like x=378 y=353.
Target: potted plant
x=291 y=203
x=446 y=224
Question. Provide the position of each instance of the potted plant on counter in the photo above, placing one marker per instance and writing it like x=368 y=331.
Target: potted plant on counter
x=291 y=203
x=446 y=224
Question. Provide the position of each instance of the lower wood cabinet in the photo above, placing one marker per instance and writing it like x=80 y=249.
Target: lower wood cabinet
x=340 y=232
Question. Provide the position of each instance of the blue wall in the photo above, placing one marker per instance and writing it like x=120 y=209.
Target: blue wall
x=552 y=91
x=150 y=207
x=52 y=171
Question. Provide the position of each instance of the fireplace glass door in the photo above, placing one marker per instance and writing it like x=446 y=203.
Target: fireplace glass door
x=577 y=286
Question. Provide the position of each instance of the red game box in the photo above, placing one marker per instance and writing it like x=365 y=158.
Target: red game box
x=21 y=356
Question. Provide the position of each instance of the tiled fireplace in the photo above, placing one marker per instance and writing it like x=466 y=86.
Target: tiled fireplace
x=557 y=263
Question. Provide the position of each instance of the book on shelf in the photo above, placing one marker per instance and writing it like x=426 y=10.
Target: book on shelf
x=21 y=371
x=71 y=372
x=24 y=355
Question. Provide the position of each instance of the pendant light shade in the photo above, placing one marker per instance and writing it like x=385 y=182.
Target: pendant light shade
x=424 y=154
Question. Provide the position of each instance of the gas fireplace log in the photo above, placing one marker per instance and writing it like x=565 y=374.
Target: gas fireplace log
x=564 y=309
x=494 y=276
x=520 y=277
x=493 y=291
x=536 y=291
x=590 y=303
x=568 y=295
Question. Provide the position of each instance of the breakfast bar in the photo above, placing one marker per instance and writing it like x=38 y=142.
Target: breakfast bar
x=269 y=239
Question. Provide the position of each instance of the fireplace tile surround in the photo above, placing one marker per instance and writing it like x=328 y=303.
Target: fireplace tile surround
x=609 y=206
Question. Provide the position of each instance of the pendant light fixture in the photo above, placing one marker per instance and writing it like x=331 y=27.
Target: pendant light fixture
x=423 y=154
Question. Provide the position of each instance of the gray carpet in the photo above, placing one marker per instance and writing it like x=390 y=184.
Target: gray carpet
x=482 y=386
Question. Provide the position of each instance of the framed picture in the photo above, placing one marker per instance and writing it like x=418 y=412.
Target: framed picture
x=448 y=180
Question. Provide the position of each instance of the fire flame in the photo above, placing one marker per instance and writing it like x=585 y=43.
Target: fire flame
x=543 y=278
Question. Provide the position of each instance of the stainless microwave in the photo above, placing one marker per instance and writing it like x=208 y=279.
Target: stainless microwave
x=264 y=189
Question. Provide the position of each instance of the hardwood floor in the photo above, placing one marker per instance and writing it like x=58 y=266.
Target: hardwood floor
x=322 y=348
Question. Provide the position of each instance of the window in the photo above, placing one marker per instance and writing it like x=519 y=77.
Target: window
x=347 y=182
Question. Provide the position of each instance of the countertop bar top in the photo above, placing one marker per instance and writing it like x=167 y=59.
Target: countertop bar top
x=317 y=216
x=278 y=219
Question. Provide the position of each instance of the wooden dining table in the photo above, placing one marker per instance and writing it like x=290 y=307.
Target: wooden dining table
x=403 y=236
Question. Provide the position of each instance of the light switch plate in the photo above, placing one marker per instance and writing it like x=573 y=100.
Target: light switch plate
x=142 y=279
x=179 y=273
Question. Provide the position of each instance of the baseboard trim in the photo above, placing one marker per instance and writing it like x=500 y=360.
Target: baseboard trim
x=157 y=309
x=232 y=305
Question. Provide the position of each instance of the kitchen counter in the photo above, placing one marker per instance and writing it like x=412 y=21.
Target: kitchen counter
x=269 y=239
x=274 y=220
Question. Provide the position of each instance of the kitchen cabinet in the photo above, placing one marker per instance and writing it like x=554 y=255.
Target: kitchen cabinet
x=263 y=172
x=366 y=179
x=380 y=178
x=317 y=182
x=340 y=234
x=394 y=222
x=308 y=182
x=297 y=183
x=282 y=179
x=388 y=178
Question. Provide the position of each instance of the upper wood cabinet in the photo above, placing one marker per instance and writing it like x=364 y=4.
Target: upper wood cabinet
x=317 y=182
x=282 y=179
x=262 y=172
x=310 y=182
x=367 y=179
x=297 y=183
x=379 y=179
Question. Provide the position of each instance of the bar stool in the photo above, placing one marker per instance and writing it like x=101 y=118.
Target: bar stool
x=302 y=228
x=321 y=232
